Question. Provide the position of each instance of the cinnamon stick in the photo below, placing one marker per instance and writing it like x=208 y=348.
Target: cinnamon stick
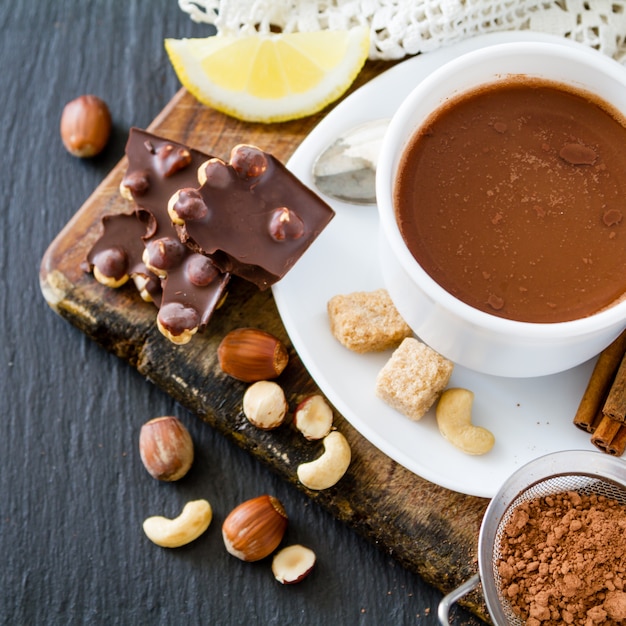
x=593 y=424
x=618 y=443
x=615 y=405
x=600 y=384
x=610 y=437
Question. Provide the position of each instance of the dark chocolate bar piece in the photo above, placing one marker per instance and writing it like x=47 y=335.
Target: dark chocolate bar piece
x=144 y=244
x=252 y=216
x=157 y=168
x=117 y=254
x=192 y=285
x=192 y=291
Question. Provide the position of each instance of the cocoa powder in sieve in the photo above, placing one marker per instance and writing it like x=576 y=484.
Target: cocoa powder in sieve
x=563 y=560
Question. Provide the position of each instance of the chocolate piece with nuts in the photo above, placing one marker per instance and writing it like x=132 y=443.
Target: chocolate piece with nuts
x=117 y=254
x=195 y=288
x=157 y=167
x=251 y=216
x=186 y=287
x=192 y=285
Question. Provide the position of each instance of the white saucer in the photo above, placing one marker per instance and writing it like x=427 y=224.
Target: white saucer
x=529 y=417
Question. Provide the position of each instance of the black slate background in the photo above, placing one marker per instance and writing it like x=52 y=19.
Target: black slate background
x=73 y=492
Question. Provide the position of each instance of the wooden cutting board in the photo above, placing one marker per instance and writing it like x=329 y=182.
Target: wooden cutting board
x=428 y=529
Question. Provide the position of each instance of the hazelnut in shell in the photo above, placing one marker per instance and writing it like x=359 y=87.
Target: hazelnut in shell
x=255 y=528
x=85 y=126
x=251 y=354
x=166 y=448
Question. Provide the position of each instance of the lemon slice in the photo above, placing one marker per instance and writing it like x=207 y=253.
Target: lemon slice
x=270 y=77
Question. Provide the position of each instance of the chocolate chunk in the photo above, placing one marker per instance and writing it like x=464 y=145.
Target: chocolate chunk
x=196 y=284
x=118 y=251
x=251 y=217
x=260 y=218
x=172 y=167
x=166 y=165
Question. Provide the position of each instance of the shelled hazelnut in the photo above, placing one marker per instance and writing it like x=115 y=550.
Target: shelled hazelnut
x=265 y=405
x=293 y=564
x=313 y=417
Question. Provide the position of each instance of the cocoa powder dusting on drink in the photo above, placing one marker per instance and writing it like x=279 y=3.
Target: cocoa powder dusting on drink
x=563 y=560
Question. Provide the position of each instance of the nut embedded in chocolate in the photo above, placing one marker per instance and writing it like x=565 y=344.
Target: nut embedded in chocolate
x=248 y=161
x=163 y=254
x=189 y=205
x=200 y=270
x=147 y=155
x=249 y=229
x=116 y=255
x=215 y=173
x=149 y=287
x=285 y=224
x=178 y=322
x=137 y=182
x=112 y=262
x=172 y=158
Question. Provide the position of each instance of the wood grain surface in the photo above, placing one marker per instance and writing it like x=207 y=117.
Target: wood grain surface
x=428 y=529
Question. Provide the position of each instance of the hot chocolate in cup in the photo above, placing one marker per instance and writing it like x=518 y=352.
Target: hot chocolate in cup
x=481 y=247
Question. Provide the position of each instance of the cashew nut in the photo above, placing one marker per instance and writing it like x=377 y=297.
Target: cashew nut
x=189 y=525
x=327 y=470
x=454 y=419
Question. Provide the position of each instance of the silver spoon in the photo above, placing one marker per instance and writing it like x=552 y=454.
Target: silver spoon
x=346 y=169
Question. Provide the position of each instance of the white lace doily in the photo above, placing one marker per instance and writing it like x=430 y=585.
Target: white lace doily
x=401 y=28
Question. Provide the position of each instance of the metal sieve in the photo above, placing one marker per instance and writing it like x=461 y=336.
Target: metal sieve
x=583 y=471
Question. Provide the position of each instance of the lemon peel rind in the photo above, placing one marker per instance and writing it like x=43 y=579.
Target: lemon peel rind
x=268 y=110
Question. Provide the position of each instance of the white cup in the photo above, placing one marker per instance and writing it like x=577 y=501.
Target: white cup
x=465 y=335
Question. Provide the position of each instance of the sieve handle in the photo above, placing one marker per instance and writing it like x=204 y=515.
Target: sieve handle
x=453 y=596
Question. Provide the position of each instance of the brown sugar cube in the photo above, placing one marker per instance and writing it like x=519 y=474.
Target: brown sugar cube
x=366 y=321
x=413 y=378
